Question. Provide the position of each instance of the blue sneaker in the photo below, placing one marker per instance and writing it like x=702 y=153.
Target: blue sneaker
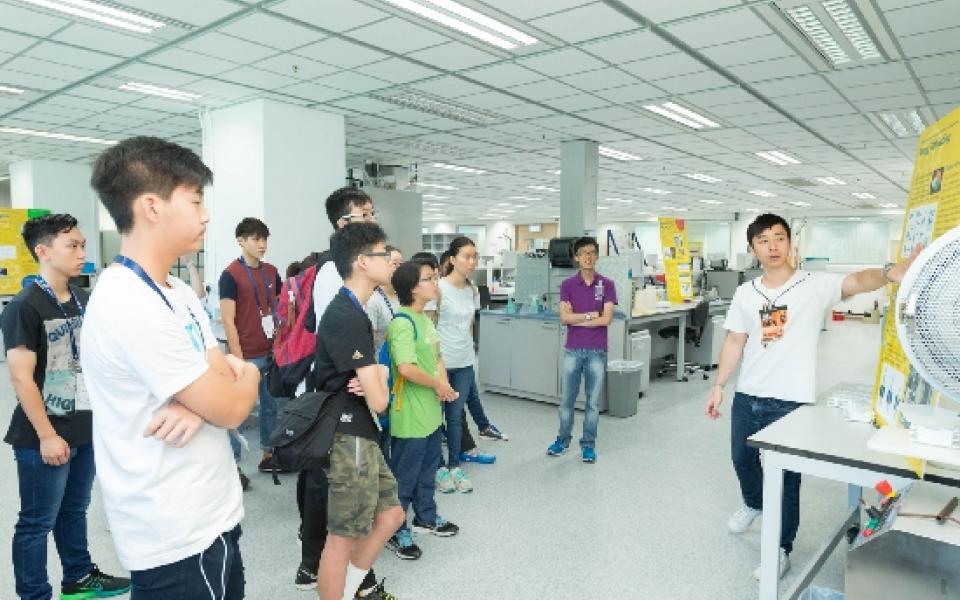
x=558 y=447
x=479 y=458
x=589 y=455
x=402 y=545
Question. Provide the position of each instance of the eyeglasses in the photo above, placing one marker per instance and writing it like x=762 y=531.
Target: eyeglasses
x=367 y=217
x=372 y=254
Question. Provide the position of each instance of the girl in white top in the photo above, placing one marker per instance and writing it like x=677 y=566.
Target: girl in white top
x=456 y=310
x=384 y=304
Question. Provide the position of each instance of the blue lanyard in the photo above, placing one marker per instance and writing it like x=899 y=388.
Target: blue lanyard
x=353 y=298
x=138 y=270
x=43 y=285
x=386 y=300
x=253 y=284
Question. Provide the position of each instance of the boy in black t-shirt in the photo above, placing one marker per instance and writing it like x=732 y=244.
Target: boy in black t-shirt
x=363 y=509
x=51 y=427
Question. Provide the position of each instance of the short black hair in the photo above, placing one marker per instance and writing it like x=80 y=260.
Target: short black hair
x=43 y=230
x=142 y=165
x=339 y=202
x=406 y=278
x=585 y=241
x=351 y=241
x=763 y=223
x=426 y=258
x=251 y=226
x=294 y=269
x=444 y=262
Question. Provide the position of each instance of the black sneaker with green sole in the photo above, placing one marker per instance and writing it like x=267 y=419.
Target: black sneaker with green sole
x=305 y=580
x=96 y=584
x=377 y=593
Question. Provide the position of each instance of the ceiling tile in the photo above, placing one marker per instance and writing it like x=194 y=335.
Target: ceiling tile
x=201 y=64
x=936 y=65
x=629 y=47
x=314 y=92
x=529 y=9
x=341 y=53
x=750 y=50
x=577 y=102
x=155 y=75
x=15 y=43
x=660 y=12
x=31 y=22
x=926 y=44
x=332 y=15
x=295 y=66
x=450 y=87
x=584 y=23
x=632 y=93
x=600 y=79
x=562 y=62
x=188 y=11
x=225 y=47
x=543 y=90
x=770 y=69
x=660 y=67
x=103 y=40
x=922 y=17
x=271 y=31
x=453 y=56
x=355 y=83
x=720 y=29
x=397 y=70
x=257 y=78
x=504 y=75
x=397 y=35
x=24 y=64
x=693 y=83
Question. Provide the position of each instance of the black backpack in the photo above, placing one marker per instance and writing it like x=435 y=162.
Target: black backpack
x=304 y=434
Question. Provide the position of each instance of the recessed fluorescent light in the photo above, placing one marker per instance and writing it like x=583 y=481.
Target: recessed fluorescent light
x=4 y=177
x=436 y=185
x=554 y=171
x=864 y=196
x=702 y=177
x=520 y=205
x=813 y=28
x=656 y=191
x=831 y=181
x=523 y=198
x=435 y=197
x=5 y=89
x=469 y=22
x=439 y=106
x=898 y=121
x=56 y=136
x=617 y=154
x=711 y=201
x=542 y=188
x=623 y=200
x=101 y=13
x=153 y=90
x=459 y=168
x=681 y=115
x=504 y=204
x=851 y=27
x=778 y=158
x=888 y=205
x=678 y=208
x=603 y=208
x=799 y=203
x=754 y=210
x=762 y=193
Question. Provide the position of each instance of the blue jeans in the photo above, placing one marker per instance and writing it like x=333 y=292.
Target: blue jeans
x=414 y=462
x=51 y=499
x=749 y=415
x=217 y=572
x=464 y=381
x=267 y=410
x=591 y=365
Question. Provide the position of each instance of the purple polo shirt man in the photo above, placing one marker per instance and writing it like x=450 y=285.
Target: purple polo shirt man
x=586 y=308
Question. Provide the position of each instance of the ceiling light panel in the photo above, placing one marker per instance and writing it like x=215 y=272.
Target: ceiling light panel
x=711 y=201
x=762 y=193
x=778 y=158
x=56 y=136
x=835 y=29
x=902 y=123
x=436 y=105
x=702 y=177
x=459 y=168
x=467 y=21
x=542 y=188
x=155 y=90
x=888 y=205
x=655 y=191
x=5 y=89
x=799 y=203
x=101 y=13
x=617 y=154
x=864 y=196
x=681 y=114
x=436 y=186
x=831 y=181
x=852 y=28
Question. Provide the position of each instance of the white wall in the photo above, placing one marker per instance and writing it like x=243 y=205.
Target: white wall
x=400 y=215
x=60 y=187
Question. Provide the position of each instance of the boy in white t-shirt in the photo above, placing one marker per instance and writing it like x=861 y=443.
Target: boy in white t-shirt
x=774 y=323
x=162 y=392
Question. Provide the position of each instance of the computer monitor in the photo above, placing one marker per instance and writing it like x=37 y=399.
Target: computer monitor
x=726 y=282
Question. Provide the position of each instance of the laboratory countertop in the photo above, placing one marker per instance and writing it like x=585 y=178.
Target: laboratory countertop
x=543 y=316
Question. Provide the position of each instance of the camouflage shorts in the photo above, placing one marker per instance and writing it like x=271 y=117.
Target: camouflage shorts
x=361 y=486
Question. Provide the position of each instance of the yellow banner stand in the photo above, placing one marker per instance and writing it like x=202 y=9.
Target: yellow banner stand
x=933 y=208
x=16 y=262
x=676 y=259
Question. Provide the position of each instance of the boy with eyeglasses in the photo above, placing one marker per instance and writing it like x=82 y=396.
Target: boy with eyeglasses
x=586 y=308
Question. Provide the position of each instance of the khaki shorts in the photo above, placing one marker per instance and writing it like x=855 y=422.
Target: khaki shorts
x=361 y=486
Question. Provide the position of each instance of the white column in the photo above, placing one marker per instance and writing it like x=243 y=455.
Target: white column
x=579 y=164
x=60 y=187
x=275 y=162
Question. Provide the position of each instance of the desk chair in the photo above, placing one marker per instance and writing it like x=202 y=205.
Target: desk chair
x=484 y=292
x=693 y=333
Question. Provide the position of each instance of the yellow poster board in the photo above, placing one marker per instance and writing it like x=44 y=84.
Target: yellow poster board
x=16 y=262
x=933 y=208
x=676 y=259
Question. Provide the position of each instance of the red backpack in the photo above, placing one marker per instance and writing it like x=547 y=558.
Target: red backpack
x=294 y=343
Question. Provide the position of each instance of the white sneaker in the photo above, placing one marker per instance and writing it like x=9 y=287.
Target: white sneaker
x=461 y=481
x=445 y=484
x=784 y=565
x=742 y=519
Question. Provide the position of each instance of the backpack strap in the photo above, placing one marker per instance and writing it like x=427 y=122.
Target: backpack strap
x=398 y=380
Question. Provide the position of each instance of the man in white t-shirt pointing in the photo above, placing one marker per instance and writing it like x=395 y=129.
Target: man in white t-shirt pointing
x=162 y=392
x=774 y=324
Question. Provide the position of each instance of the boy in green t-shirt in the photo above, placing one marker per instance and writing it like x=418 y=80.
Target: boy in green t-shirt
x=420 y=384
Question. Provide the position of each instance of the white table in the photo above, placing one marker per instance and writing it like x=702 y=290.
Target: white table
x=816 y=440
x=678 y=312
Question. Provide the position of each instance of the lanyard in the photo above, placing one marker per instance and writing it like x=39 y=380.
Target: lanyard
x=253 y=284
x=772 y=303
x=43 y=285
x=386 y=300
x=138 y=270
x=353 y=298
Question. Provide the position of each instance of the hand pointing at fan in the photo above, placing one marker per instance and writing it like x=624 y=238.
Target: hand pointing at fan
x=874 y=279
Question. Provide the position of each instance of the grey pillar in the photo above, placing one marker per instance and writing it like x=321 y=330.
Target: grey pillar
x=579 y=163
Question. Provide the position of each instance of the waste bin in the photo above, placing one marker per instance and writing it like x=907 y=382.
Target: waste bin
x=623 y=387
x=640 y=345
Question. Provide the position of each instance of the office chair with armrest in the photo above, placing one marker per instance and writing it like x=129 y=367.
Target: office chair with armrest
x=694 y=333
